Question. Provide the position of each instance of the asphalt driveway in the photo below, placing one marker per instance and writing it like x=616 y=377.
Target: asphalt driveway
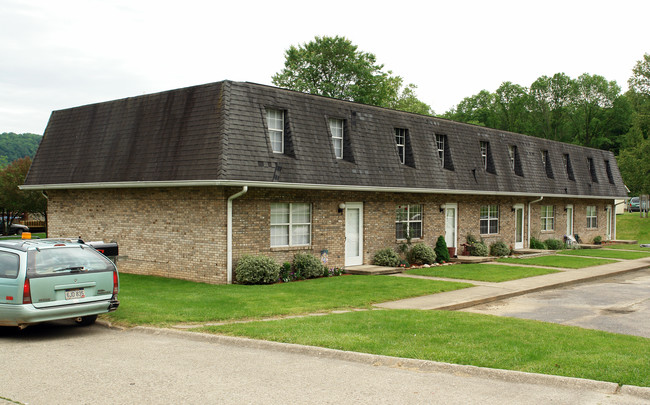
x=619 y=304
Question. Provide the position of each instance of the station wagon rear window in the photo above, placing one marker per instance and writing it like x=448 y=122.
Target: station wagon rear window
x=9 y=263
x=51 y=262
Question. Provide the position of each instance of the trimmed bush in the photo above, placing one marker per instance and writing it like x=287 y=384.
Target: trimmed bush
x=471 y=239
x=257 y=270
x=554 y=244
x=536 y=243
x=386 y=257
x=307 y=265
x=285 y=272
x=442 y=254
x=478 y=249
x=499 y=249
x=421 y=254
x=597 y=240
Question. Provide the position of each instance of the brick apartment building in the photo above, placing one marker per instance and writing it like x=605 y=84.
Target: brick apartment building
x=189 y=180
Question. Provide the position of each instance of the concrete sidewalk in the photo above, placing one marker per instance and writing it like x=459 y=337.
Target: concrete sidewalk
x=481 y=294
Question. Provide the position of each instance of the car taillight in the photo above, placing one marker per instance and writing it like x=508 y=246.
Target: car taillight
x=27 y=292
x=115 y=283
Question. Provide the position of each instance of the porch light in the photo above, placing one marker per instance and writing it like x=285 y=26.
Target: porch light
x=341 y=207
x=442 y=207
x=513 y=209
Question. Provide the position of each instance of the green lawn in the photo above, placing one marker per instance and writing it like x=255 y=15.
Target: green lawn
x=466 y=338
x=165 y=301
x=562 y=261
x=630 y=226
x=481 y=272
x=610 y=254
x=627 y=247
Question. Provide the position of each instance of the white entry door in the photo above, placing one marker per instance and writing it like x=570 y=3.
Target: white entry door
x=519 y=226
x=569 y=220
x=451 y=224
x=608 y=231
x=353 y=234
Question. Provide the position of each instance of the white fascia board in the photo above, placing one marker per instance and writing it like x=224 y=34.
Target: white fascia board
x=300 y=186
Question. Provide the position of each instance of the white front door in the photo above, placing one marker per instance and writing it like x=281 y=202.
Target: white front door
x=353 y=234
x=569 y=220
x=609 y=223
x=519 y=226
x=451 y=224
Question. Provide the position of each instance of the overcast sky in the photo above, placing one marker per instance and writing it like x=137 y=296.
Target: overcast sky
x=56 y=54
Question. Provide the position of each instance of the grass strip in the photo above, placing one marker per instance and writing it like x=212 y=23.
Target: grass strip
x=165 y=301
x=610 y=254
x=481 y=272
x=628 y=247
x=561 y=261
x=467 y=338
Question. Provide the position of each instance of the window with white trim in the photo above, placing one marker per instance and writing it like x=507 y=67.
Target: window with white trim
x=275 y=122
x=484 y=154
x=290 y=224
x=548 y=218
x=489 y=223
x=592 y=218
x=408 y=221
x=336 y=128
x=512 y=150
x=440 y=144
x=400 y=142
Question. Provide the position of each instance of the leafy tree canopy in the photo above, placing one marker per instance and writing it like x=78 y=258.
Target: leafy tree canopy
x=334 y=67
x=16 y=146
x=14 y=201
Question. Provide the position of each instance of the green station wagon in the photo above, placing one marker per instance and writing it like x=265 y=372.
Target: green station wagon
x=50 y=279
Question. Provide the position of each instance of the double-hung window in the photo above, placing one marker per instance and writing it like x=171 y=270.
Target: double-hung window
x=548 y=218
x=512 y=151
x=400 y=142
x=440 y=144
x=336 y=128
x=484 y=154
x=275 y=122
x=489 y=223
x=290 y=224
x=408 y=221
x=592 y=218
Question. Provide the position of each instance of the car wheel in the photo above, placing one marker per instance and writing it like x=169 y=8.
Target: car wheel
x=19 y=232
x=85 y=320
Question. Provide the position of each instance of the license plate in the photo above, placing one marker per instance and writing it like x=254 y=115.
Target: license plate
x=74 y=294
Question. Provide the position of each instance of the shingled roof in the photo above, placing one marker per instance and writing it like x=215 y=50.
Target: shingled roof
x=216 y=134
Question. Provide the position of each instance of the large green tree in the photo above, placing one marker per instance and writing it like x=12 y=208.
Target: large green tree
x=14 y=201
x=334 y=67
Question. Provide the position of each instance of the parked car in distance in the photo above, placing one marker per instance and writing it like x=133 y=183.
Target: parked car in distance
x=14 y=229
x=633 y=205
x=51 y=279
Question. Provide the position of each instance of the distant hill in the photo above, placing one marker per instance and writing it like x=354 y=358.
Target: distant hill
x=16 y=146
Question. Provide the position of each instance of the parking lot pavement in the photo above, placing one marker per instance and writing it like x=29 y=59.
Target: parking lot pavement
x=619 y=304
x=62 y=364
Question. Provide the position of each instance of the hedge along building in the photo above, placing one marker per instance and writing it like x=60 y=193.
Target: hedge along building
x=189 y=180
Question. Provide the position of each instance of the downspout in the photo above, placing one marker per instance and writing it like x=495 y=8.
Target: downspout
x=529 y=204
x=229 y=231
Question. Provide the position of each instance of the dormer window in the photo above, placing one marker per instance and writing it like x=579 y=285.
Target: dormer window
x=610 y=176
x=592 y=170
x=440 y=144
x=484 y=154
x=512 y=150
x=275 y=123
x=336 y=128
x=567 y=164
x=546 y=162
x=400 y=142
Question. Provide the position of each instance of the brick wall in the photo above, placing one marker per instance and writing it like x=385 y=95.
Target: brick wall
x=181 y=232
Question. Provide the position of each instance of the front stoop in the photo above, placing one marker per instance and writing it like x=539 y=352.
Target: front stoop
x=367 y=269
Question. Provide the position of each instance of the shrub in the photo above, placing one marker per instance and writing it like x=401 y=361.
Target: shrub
x=499 y=249
x=285 y=272
x=597 y=240
x=386 y=257
x=442 y=254
x=478 y=249
x=536 y=243
x=421 y=254
x=554 y=244
x=471 y=239
x=307 y=265
x=257 y=270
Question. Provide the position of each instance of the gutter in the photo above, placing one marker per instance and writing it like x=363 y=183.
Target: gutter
x=243 y=191
x=298 y=186
x=529 y=204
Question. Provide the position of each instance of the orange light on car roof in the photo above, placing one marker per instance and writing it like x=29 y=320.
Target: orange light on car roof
x=27 y=235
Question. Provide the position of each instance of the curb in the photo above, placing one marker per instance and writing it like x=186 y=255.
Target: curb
x=407 y=364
